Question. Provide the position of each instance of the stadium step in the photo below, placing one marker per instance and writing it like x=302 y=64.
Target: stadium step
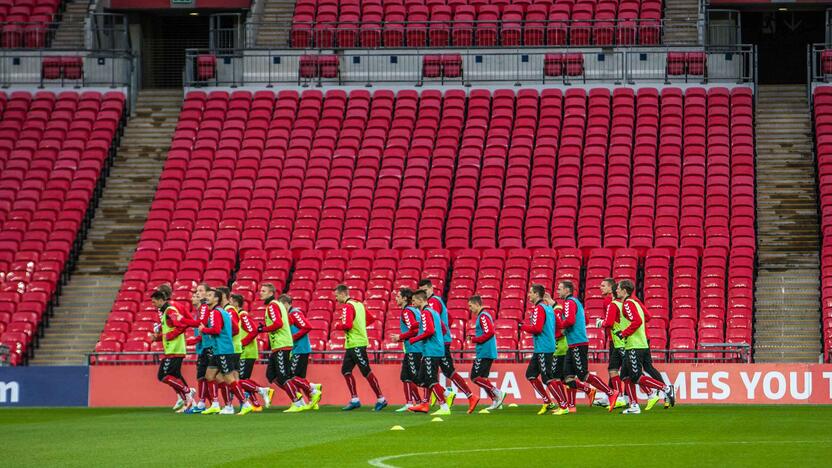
x=119 y=219
x=680 y=17
x=70 y=32
x=787 y=288
x=273 y=23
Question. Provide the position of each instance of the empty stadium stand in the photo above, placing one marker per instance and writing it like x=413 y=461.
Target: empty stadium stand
x=54 y=150
x=823 y=132
x=311 y=189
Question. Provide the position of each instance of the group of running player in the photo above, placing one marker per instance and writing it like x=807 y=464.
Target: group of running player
x=225 y=339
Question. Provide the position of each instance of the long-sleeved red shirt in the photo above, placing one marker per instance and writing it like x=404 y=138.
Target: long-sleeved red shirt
x=273 y=311
x=558 y=321
x=429 y=327
x=610 y=315
x=346 y=316
x=175 y=320
x=537 y=318
x=215 y=318
x=570 y=311
x=200 y=316
x=235 y=319
x=248 y=326
x=409 y=318
x=632 y=315
x=487 y=326
x=297 y=319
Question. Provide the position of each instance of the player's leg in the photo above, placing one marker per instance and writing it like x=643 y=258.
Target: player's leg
x=167 y=375
x=449 y=371
x=211 y=375
x=652 y=383
x=552 y=384
x=406 y=377
x=423 y=380
x=432 y=365
x=363 y=363
x=630 y=373
x=479 y=374
x=313 y=391
x=347 y=367
x=276 y=373
x=533 y=372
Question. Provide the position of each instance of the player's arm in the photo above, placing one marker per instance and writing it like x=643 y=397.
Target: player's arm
x=427 y=320
x=347 y=316
x=235 y=323
x=192 y=320
x=248 y=326
x=634 y=318
x=535 y=323
x=412 y=325
x=487 y=330
x=297 y=319
x=569 y=313
x=275 y=316
x=175 y=320
x=216 y=319
x=611 y=316
x=193 y=340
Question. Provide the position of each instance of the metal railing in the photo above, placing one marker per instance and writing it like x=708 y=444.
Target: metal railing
x=708 y=353
x=815 y=64
x=108 y=31
x=724 y=28
x=100 y=68
x=488 y=34
x=369 y=67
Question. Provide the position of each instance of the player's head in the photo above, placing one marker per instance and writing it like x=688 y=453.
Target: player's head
x=201 y=290
x=236 y=301
x=427 y=286
x=213 y=297
x=536 y=293
x=565 y=289
x=285 y=299
x=165 y=289
x=475 y=304
x=420 y=298
x=625 y=289
x=225 y=293
x=158 y=299
x=342 y=293
x=607 y=286
x=267 y=291
x=404 y=296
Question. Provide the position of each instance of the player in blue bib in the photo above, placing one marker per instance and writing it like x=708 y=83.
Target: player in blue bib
x=486 y=347
x=541 y=325
x=430 y=335
x=409 y=322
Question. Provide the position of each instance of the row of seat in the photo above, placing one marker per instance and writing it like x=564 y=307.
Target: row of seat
x=823 y=135
x=421 y=26
x=26 y=23
x=52 y=151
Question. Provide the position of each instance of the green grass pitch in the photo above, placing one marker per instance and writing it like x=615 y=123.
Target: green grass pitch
x=713 y=436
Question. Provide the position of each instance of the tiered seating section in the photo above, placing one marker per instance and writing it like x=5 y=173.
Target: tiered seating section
x=479 y=23
x=513 y=187
x=823 y=135
x=52 y=151
x=25 y=23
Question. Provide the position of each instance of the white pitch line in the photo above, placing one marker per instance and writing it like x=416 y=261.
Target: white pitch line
x=380 y=462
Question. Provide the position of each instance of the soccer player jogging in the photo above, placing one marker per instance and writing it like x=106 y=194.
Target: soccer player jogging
x=352 y=319
x=236 y=339
x=559 y=360
x=635 y=344
x=173 y=341
x=541 y=325
x=447 y=363
x=300 y=352
x=486 y=348
x=411 y=361
x=611 y=325
x=205 y=388
x=577 y=358
x=430 y=334
x=279 y=370
x=219 y=334
x=248 y=358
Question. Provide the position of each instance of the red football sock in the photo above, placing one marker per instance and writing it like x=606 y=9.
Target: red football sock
x=351 y=385
x=630 y=390
x=374 y=384
x=593 y=380
x=237 y=391
x=541 y=390
x=215 y=393
x=439 y=391
x=557 y=392
x=210 y=392
x=615 y=382
x=650 y=382
x=226 y=397
x=414 y=393
x=570 y=394
x=583 y=386
x=290 y=390
x=202 y=389
x=251 y=387
x=408 y=396
x=302 y=385
x=486 y=385
x=461 y=384
x=176 y=385
x=426 y=397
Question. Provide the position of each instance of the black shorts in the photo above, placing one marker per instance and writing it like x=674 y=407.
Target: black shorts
x=447 y=362
x=429 y=371
x=633 y=367
x=299 y=364
x=170 y=366
x=226 y=363
x=356 y=357
x=410 y=367
x=616 y=358
x=246 y=368
x=540 y=366
x=279 y=369
x=481 y=367
x=558 y=363
x=202 y=362
x=577 y=362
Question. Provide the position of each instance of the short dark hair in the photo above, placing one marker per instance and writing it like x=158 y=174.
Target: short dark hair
x=224 y=291
x=285 y=298
x=476 y=299
x=538 y=289
x=568 y=285
x=204 y=285
x=420 y=294
x=627 y=286
x=425 y=283
x=609 y=281
x=158 y=296
x=269 y=286
x=165 y=289
x=216 y=293
x=406 y=294
x=237 y=299
x=342 y=289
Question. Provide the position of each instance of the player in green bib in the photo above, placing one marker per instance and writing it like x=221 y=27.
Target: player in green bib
x=559 y=362
x=351 y=317
x=611 y=324
x=251 y=351
x=170 y=332
x=279 y=329
x=634 y=336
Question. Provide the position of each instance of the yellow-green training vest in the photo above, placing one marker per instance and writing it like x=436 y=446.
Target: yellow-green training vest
x=357 y=335
x=236 y=340
x=616 y=327
x=251 y=350
x=176 y=345
x=637 y=340
x=282 y=337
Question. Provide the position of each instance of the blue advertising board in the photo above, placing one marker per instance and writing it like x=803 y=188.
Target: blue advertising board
x=44 y=386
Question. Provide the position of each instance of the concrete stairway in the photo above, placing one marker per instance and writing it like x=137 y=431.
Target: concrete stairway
x=787 y=292
x=274 y=23
x=70 y=33
x=89 y=295
x=681 y=18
